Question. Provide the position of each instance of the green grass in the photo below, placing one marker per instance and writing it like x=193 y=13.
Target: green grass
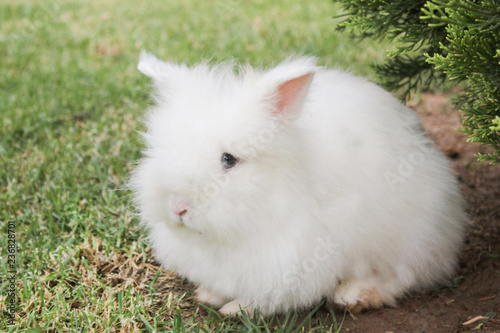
x=71 y=103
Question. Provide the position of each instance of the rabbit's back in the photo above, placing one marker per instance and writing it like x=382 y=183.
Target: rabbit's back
x=387 y=194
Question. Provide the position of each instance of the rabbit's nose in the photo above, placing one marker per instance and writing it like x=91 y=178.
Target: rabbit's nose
x=180 y=212
x=180 y=208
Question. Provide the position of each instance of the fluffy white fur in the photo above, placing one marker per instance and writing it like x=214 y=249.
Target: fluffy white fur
x=337 y=191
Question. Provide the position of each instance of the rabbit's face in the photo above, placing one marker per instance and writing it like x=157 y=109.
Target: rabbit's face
x=212 y=162
x=218 y=158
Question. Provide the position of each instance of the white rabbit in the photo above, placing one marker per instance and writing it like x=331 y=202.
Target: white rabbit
x=275 y=189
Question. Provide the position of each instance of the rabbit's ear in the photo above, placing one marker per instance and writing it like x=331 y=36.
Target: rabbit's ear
x=157 y=70
x=291 y=94
x=289 y=83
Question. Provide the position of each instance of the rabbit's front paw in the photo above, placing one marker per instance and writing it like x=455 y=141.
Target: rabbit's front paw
x=357 y=297
x=204 y=295
x=236 y=306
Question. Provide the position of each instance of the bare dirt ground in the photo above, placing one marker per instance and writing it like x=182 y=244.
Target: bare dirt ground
x=476 y=289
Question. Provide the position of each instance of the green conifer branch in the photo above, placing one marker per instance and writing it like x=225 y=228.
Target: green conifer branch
x=436 y=39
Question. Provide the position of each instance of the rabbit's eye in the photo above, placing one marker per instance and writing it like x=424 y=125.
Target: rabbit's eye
x=228 y=161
